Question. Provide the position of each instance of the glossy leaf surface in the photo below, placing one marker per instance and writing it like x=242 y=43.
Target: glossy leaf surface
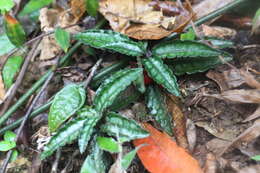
x=108 y=144
x=161 y=74
x=62 y=37
x=186 y=48
x=122 y=128
x=11 y=67
x=6 y=45
x=109 y=40
x=7 y=145
x=34 y=5
x=157 y=105
x=65 y=103
x=9 y=136
x=6 y=5
x=112 y=86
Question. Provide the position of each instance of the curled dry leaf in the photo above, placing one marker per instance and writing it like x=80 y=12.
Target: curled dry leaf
x=162 y=155
x=2 y=90
x=53 y=18
x=145 y=19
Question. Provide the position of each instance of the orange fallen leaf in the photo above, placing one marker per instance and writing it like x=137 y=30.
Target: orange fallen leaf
x=162 y=155
x=146 y=19
x=2 y=90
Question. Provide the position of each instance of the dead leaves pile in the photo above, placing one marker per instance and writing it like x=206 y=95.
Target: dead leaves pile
x=146 y=19
x=58 y=17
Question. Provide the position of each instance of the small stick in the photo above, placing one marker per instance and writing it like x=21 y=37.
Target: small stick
x=54 y=168
x=75 y=153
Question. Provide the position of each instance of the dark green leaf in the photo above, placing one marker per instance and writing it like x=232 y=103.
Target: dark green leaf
x=156 y=102
x=178 y=48
x=112 y=86
x=6 y=5
x=7 y=145
x=65 y=135
x=122 y=128
x=14 y=30
x=9 y=136
x=96 y=161
x=161 y=74
x=92 y=117
x=34 y=5
x=110 y=40
x=190 y=35
x=194 y=65
x=257 y=158
x=65 y=103
x=139 y=83
x=11 y=67
x=63 y=38
x=6 y=45
x=92 y=7
x=108 y=144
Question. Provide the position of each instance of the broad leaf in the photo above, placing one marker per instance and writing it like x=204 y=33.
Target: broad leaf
x=7 y=145
x=34 y=5
x=92 y=117
x=157 y=105
x=9 y=136
x=162 y=154
x=112 y=86
x=161 y=74
x=96 y=161
x=6 y=5
x=62 y=37
x=65 y=135
x=190 y=35
x=6 y=45
x=122 y=128
x=109 y=144
x=11 y=67
x=14 y=30
x=109 y=40
x=92 y=7
x=194 y=65
x=65 y=103
x=14 y=155
x=178 y=48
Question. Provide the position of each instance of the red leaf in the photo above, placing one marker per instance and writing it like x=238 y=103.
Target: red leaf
x=162 y=155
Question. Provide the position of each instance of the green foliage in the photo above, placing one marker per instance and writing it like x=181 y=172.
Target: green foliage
x=190 y=35
x=6 y=44
x=161 y=74
x=128 y=158
x=14 y=155
x=9 y=136
x=11 y=67
x=109 y=144
x=257 y=157
x=92 y=7
x=156 y=102
x=194 y=65
x=96 y=161
x=256 y=22
x=220 y=43
x=34 y=5
x=7 y=145
x=109 y=40
x=92 y=117
x=65 y=103
x=68 y=133
x=122 y=128
x=6 y=5
x=112 y=86
x=187 y=48
x=62 y=37
x=14 y=31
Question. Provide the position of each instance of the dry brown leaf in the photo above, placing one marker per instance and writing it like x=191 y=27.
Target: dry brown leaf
x=255 y=115
x=2 y=90
x=241 y=96
x=179 y=120
x=218 y=31
x=78 y=8
x=145 y=19
x=250 y=169
x=216 y=145
x=247 y=136
x=250 y=79
x=191 y=134
x=210 y=164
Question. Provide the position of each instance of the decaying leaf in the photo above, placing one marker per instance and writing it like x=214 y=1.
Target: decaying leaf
x=210 y=164
x=218 y=31
x=255 y=115
x=2 y=90
x=145 y=19
x=53 y=18
x=162 y=155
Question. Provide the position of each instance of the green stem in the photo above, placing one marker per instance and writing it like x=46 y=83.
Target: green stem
x=35 y=86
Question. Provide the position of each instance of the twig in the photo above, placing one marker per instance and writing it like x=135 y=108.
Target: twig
x=24 y=121
x=75 y=153
x=19 y=80
x=92 y=72
x=56 y=162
